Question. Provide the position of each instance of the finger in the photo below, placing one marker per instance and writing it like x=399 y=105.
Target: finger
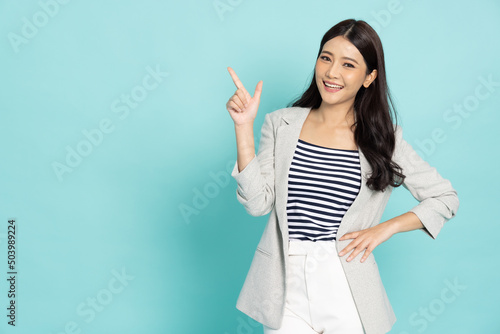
x=351 y=235
x=348 y=248
x=355 y=252
x=353 y=255
x=365 y=255
x=344 y=251
x=236 y=99
x=236 y=80
x=258 y=90
x=242 y=97
x=231 y=105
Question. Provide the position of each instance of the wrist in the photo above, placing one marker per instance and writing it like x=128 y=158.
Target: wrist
x=244 y=126
x=393 y=226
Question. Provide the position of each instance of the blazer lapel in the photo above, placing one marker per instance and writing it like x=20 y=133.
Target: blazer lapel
x=287 y=136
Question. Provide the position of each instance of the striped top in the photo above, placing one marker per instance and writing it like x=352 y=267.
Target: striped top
x=322 y=184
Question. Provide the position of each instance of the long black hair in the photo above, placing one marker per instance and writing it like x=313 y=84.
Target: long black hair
x=374 y=130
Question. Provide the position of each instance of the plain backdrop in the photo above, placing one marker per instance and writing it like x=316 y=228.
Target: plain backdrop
x=116 y=149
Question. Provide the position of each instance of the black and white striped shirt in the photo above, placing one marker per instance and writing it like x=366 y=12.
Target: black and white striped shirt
x=322 y=184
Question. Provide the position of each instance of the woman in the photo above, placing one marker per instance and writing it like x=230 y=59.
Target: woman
x=325 y=169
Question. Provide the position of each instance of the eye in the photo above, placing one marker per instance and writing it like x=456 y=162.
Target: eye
x=350 y=65
x=324 y=58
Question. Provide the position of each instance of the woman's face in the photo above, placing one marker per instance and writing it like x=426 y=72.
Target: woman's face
x=341 y=63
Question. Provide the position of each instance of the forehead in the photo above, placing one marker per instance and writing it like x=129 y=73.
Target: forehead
x=341 y=46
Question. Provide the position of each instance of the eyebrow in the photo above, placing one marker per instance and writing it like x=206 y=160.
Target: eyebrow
x=342 y=57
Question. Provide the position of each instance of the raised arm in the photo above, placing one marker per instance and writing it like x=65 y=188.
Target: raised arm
x=253 y=173
x=243 y=108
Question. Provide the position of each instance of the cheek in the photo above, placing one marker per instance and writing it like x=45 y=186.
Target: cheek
x=354 y=80
x=319 y=81
x=320 y=67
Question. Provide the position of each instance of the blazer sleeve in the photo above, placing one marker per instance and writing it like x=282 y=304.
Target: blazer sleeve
x=438 y=200
x=255 y=183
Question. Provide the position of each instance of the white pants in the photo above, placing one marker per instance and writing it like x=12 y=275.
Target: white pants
x=318 y=298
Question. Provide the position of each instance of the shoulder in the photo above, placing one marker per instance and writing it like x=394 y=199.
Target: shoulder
x=402 y=149
x=398 y=135
x=283 y=112
x=398 y=130
x=288 y=113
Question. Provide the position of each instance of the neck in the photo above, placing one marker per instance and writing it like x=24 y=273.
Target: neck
x=336 y=115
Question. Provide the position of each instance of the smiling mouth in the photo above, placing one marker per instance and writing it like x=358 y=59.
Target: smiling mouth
x=331 y=87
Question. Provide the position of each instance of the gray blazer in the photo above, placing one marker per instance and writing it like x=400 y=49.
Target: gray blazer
x=262 y=188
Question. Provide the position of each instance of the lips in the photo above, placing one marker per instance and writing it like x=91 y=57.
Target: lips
x=332 y=85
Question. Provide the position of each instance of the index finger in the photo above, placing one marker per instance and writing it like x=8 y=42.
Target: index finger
x=236 y=80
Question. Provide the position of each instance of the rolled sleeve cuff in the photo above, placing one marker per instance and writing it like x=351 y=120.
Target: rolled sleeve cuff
x=246 y=185
x=431 y=225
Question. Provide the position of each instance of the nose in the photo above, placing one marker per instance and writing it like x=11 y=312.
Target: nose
x=333 y=71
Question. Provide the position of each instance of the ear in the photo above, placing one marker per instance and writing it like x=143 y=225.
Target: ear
x=370 y=78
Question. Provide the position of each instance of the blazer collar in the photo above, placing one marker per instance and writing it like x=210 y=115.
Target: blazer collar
x=295 y=116
x=287 y=136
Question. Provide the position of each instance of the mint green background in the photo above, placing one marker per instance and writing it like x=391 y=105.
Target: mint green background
x=120 y=208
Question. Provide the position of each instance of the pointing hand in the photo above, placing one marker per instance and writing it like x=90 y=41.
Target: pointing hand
x=241 y=106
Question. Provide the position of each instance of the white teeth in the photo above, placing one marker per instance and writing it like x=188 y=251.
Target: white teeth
x=333 y=86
